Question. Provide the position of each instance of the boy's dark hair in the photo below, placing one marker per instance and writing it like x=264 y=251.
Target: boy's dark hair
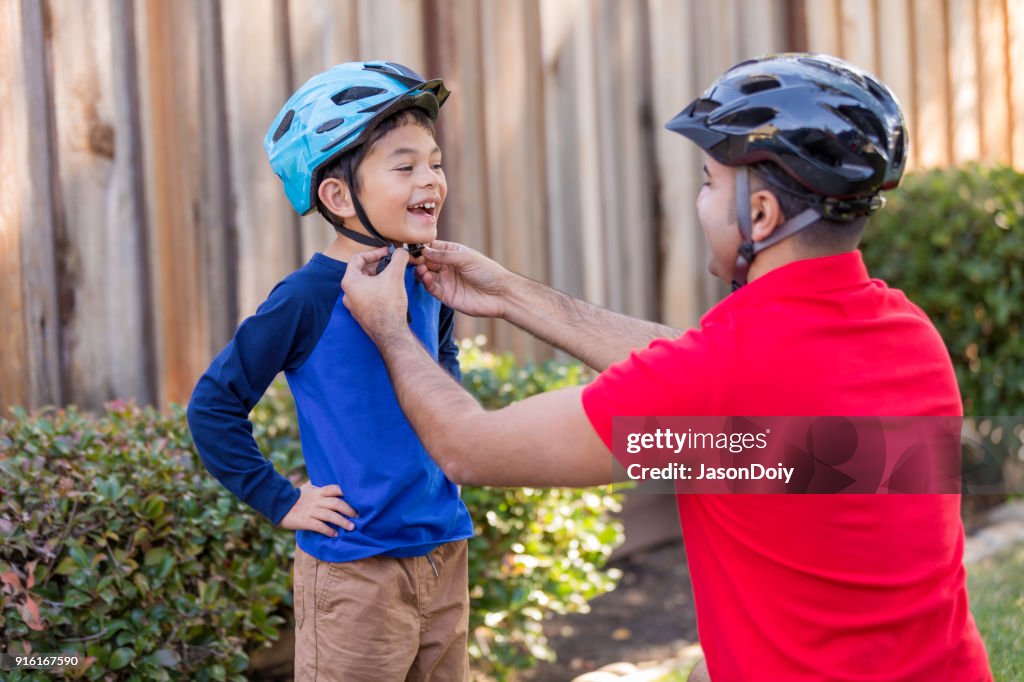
x=823 y=236
x=345 y=166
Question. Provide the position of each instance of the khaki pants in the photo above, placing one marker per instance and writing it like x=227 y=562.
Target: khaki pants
x=382 y=619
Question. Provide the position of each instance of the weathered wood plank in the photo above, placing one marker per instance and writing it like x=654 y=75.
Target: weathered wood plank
x=565 y=156
x=171 y=92
x=858 y=33
x=460 y=129
x=514 y=142
x=993 y=81
x=33 y=155
x=896 y=63
x=610 y=90
x=392 y=30
x=322 y=33
x=764 y=27
x=218 y=232
x=98 y=208
x=962 y=51
x=932 y=84
x=256 y=85
x=824 y=26
x=1015 y=52
x=634 y=234
x=15 y=387
x=674 y=75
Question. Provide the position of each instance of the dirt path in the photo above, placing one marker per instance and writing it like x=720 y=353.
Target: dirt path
x=650 y=616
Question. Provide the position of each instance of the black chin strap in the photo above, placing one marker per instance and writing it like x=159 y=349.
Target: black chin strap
x=749 y=248
x=374 y=238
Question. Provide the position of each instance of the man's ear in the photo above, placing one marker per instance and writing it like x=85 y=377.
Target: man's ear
x=765 y=214
x=336 y=197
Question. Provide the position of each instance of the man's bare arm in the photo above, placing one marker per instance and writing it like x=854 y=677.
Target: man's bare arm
x=476 y=285
x=595 y=335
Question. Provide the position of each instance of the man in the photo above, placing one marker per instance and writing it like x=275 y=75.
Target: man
x=787 y=587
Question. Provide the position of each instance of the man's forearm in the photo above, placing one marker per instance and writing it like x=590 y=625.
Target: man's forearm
x=588 y=332
x=438 y=408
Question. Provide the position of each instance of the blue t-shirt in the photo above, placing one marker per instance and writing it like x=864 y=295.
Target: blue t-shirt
x=353 y=431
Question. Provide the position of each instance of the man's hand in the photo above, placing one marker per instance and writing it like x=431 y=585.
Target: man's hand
x=316 y=506
x=377 y=301
x=464 y=279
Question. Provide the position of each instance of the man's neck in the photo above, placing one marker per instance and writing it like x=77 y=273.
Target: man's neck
x=785 y=252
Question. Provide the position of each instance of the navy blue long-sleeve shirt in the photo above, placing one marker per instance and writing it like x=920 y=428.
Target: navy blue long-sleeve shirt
x=352 y=428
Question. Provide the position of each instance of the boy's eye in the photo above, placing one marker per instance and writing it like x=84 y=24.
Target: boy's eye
x=404 y=168
x=437 y=166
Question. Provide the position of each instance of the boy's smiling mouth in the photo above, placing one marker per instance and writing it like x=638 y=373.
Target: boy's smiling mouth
x=425 y=209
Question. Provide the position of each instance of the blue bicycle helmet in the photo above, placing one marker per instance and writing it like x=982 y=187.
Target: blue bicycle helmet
x=332 y=113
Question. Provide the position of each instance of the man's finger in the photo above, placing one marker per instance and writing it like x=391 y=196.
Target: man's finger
x=361 y=260
x=374 y=255
x=441 y=245
x=443 y=256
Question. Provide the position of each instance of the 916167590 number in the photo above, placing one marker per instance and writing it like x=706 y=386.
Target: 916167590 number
x=11 y=661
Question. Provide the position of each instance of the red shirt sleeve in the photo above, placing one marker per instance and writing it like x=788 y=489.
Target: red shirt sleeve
x=671 y=377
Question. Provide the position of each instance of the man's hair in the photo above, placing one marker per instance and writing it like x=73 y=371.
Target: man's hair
x=347 y=165
x=824 y=236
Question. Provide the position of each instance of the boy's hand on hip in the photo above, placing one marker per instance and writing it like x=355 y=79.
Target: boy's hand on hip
x=318 y=506
x=377 y=301
x=464 y=279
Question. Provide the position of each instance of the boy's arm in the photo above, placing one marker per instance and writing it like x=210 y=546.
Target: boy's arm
x=274 y=339
x=476 y=285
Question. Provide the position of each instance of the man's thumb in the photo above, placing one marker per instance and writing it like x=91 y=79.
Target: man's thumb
x=399 y=259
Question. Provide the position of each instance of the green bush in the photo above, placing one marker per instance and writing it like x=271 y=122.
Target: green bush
x=116 y=544
x=953 y=240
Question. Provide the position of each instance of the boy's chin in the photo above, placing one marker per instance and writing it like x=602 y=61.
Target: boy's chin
x=418 y=236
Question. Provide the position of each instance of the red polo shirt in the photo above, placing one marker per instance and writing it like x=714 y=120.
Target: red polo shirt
x=813 y=587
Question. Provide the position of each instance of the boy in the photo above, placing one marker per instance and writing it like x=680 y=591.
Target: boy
x=787 y=587
x=380 y=585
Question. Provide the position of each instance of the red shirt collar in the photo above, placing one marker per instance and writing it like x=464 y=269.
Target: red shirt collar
x=828 y=273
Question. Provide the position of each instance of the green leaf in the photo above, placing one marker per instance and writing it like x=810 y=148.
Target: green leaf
x=156 y=556
x=121 y=658
x=167 y=658
x=80 y=557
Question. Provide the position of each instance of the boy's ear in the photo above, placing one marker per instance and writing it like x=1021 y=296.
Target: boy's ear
x=765 y=214
x=335 y=196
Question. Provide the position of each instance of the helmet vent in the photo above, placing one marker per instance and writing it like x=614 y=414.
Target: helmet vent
x=330 y=125
x=356 y=92
x=286 y=123
x=865 y=122
x=747 y=118
x=826 y=152
x=703 y=106
x=759 y=83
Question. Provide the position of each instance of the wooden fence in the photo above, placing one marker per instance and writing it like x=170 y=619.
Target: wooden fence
x=139 y=220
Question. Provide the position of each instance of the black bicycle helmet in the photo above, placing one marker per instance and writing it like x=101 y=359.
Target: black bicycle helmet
x=831 y=127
